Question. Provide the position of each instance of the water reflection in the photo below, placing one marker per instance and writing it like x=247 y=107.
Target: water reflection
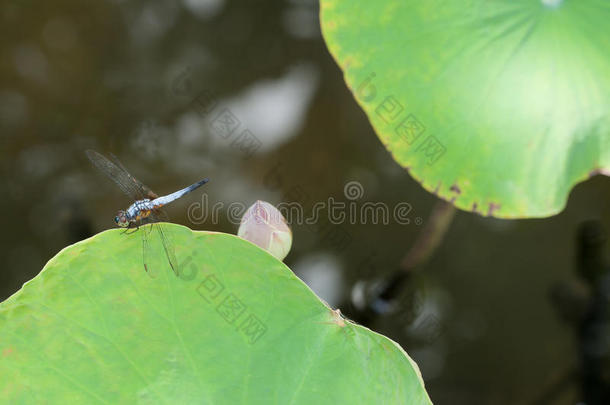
x=323 y=274
x=31 y=63
x=204 y=9
x=300 y=20
x=274 y=109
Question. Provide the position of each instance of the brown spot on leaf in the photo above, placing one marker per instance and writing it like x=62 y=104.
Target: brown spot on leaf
x=455 y=189
x=337 y=317
x=474 y=207
x=492 y=207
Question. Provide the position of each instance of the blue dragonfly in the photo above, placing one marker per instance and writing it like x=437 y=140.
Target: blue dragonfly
x=146 y=208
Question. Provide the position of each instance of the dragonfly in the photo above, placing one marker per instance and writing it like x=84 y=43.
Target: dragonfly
x=146 y=208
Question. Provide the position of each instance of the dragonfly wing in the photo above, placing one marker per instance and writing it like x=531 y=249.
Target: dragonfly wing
x=144 y=190
x=166 y=238
x=117 y=174
x=147 y=253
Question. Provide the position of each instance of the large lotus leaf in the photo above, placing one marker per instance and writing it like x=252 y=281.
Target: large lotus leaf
x=237 y=327
x=499 y=106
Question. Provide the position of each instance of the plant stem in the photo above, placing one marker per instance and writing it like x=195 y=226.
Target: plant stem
x=426 y=244
x=428 y=240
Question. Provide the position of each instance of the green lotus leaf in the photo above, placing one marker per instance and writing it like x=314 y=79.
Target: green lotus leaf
x=499 y=106
x=237 y=327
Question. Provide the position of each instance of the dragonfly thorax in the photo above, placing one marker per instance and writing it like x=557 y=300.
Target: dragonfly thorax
x=138 y=210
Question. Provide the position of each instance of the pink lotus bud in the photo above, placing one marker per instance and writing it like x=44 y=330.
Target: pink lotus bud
x=265 y=226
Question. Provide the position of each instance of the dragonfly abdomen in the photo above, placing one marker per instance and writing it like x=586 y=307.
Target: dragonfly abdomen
x=166 y=199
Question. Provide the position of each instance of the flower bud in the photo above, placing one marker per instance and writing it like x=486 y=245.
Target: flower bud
x=265 y=226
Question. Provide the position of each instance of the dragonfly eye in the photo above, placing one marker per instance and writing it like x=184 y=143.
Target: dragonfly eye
x=117 y=219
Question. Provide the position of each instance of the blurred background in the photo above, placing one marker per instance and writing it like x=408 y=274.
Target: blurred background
x=245 y=93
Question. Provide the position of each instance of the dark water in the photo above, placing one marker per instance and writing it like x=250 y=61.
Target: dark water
x=245 y=93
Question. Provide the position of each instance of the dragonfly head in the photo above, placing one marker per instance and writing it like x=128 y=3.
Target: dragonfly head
x=121 y=219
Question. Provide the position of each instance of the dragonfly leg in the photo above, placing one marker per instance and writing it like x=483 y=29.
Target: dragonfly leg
x=131 y=227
